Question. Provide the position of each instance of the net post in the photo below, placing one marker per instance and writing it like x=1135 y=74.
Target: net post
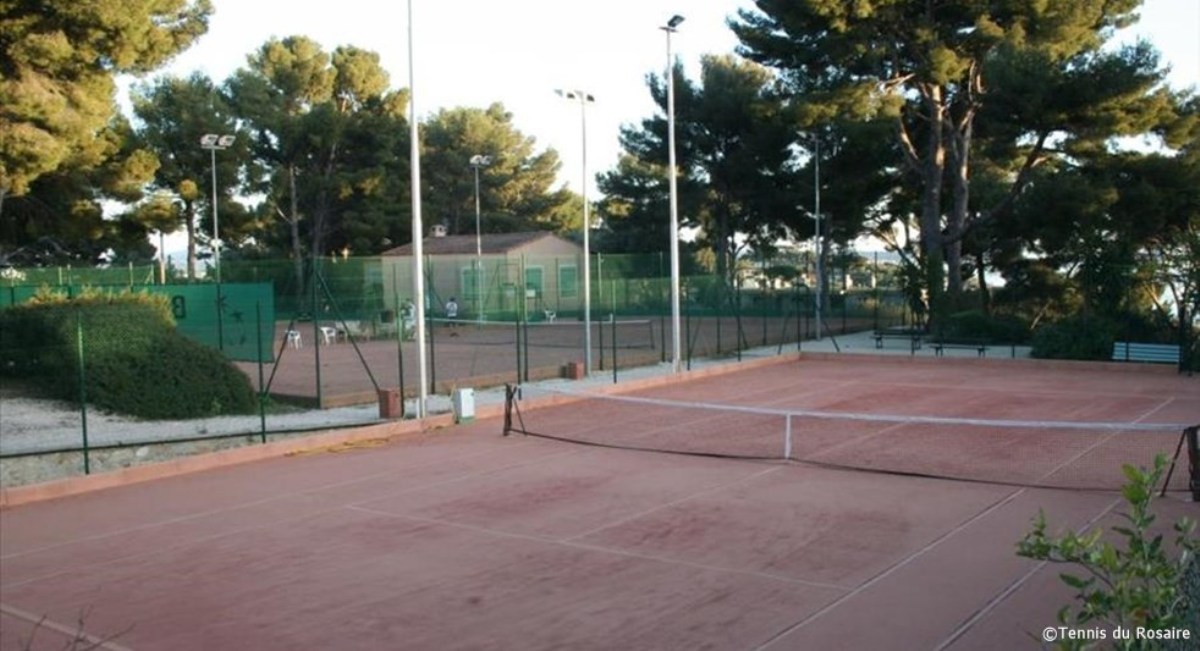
x=1193 y=442
x=509 y=397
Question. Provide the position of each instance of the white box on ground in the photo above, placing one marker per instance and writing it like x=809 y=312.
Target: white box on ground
x=464 y=405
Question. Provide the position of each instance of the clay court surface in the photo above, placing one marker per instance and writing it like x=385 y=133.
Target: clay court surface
x=463 y=539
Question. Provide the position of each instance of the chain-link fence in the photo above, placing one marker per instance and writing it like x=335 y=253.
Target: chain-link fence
x=334 y=334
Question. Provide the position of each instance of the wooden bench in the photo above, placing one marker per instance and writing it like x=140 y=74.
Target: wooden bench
x=913 y=336
x=978 y=345
x=1151 y=353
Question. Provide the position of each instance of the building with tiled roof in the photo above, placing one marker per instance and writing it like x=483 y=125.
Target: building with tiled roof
x=533 y=272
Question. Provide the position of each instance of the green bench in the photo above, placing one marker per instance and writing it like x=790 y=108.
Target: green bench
x=1149 y=353
x=911 y=334
x=980 y=346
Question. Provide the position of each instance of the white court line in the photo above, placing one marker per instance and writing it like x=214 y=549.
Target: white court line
x=75 y=633
x=1003 y=596
x=216 y=536
x=570 y=543
x=889 y=571
x=934 y=543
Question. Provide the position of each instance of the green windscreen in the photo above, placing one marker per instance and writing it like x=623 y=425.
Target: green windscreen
x=233 y=318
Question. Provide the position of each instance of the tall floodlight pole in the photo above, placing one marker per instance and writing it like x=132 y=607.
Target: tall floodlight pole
x=418 y=230
x=478 y=161
x=212 y=142
x=676 y=347
x=162 y=259
x=820 y=234
x=584 y=99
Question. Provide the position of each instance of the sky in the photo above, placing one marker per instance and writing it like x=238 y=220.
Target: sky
x=477 y=52
x=473 y=53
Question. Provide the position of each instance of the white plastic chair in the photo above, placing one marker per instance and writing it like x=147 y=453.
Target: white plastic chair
x=350 y=329
x=328 y=335
x=551 y=315
x=293 y=339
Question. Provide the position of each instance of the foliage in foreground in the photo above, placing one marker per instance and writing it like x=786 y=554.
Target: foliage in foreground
x=1141 y=583
x=135 y=362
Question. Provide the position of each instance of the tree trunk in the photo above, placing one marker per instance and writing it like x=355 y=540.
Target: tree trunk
x=932 y=168
x=320 y=215
x=294 y=222
x=957 y=219
x=722 y=243
x=985 y=295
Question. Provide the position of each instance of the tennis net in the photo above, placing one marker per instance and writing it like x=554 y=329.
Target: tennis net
x=1048 y=454
x=621 y=333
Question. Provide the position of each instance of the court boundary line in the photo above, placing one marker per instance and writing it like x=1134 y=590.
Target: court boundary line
x=714 y=489
x=76 y=633
x=936 y=542
x=900 y=564
x=184 y=519
x=216 y=536
x=614 y=551
x=1000 y=598
x=1003 y=596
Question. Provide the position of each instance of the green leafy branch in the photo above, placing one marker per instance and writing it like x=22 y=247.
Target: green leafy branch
x=1139 y=583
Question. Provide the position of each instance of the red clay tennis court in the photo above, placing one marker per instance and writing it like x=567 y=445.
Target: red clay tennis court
x=462 y=538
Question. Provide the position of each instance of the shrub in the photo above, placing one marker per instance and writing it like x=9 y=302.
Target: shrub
x=975 y=324
x=1143 y=583
x=135 y=362
x=1075 y=338
x=172 y=377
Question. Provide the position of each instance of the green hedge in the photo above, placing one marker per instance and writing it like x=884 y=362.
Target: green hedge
x=1076 y=338
x=1092 y=338
x=973 y=325
x=1189 y=606
x=135 y=362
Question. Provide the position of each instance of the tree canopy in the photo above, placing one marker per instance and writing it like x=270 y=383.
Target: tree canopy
x=736 y=174
x=58 y=61
x=516 y=184
x=1003 y=87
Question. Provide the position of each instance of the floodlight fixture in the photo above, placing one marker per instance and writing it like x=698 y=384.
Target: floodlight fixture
x=212 y=142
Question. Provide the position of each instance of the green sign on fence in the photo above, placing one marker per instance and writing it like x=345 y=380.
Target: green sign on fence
x=233 y=318
x=226 y=316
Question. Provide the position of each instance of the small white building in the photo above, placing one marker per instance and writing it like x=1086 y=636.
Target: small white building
x=534 y=271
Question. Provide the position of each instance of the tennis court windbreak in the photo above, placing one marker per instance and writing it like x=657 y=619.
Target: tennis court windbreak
x=1051 y=454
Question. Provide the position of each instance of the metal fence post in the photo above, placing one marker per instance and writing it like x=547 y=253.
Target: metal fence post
x=87 y=464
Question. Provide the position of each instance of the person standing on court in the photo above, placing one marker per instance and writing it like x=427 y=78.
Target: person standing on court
x=408 y=320
x=451 y=314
